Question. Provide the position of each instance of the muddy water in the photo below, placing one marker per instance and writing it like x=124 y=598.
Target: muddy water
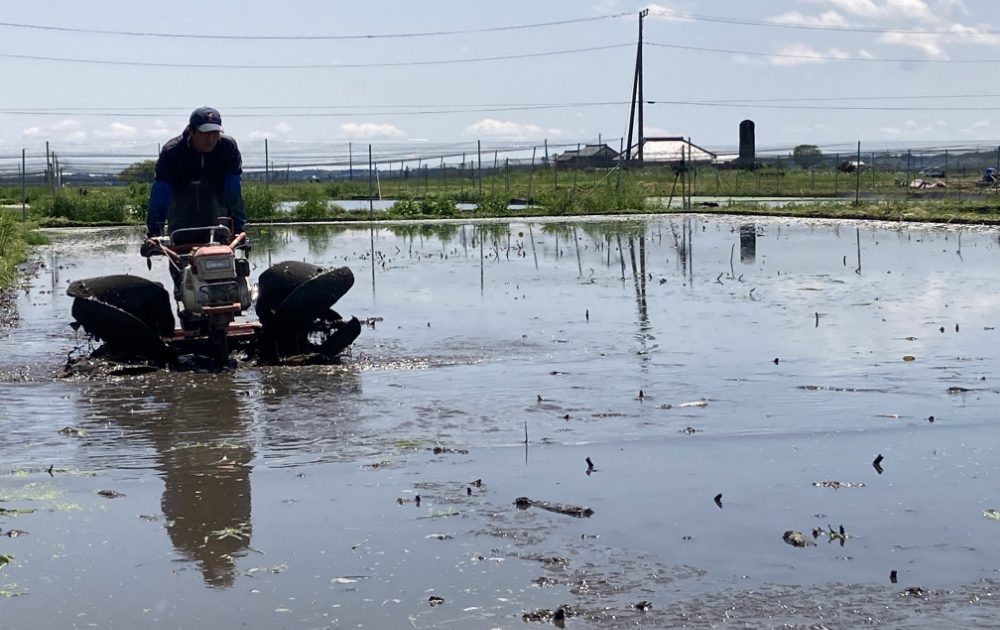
x=286 y=497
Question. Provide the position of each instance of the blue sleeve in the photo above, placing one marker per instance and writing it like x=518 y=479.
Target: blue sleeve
x=160 y=195
x=232 y=188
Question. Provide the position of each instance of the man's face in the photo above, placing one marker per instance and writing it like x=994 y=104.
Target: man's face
x=204 y=141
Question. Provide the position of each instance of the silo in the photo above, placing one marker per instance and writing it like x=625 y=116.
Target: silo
x=748 y=151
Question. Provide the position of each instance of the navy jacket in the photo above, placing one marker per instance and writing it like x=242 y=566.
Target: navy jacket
x=193 y=189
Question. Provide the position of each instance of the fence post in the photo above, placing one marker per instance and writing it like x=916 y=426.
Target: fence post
x=24 y=191
x=576 y=165
x=857 y=177
x=836 y=175
x=531 y=173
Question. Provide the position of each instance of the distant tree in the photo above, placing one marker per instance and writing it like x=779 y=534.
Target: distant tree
x=807 y=155
x=138 y=173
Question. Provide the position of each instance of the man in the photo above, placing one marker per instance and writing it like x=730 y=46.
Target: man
x=197 y=178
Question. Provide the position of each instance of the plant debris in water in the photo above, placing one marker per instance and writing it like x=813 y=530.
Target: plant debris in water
x=15 y=511
x=797 y=539
x=578 y=511
x=837 y=485
x=544 y=615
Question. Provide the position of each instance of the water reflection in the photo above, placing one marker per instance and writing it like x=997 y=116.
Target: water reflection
x=748 y=243
x=203 y=450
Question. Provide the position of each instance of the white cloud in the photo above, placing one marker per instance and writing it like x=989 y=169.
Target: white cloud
x=951 y=6
x=927 y=43
x=909 y=130
x=900 y=17
x=280 y=129
x=800 y=54
x=75 y=137
x=63 y=125
x=32 y=132
x=827 y=18
x=117 y=131
x=804 y=129
x=974 y=35
x=371 y=130
x=606 y=7
x=659 y=132
x=910 y=10
x=159 y=130
x=861 y=8
x=977 y=129
x=490 y=127
x=667 y=13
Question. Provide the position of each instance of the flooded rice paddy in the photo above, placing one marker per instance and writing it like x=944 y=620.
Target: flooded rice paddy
x=701 y=388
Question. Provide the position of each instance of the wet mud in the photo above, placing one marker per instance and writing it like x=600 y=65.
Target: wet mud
x=689 y=394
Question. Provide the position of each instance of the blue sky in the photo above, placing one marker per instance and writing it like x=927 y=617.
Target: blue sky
x=825 y=72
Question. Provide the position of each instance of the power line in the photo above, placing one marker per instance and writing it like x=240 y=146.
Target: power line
x=818 y=57
x=234 y=111
x=490 y=29
x=339 y=66
x=752 y=105
x=418 y=112
x=808 y=27
x=431 y=110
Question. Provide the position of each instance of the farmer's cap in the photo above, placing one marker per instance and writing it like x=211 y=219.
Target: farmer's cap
x=206 y=119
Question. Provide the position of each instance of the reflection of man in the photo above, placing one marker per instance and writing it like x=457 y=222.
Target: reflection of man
x=197 y=178
x=206 y=501
x=203 y=450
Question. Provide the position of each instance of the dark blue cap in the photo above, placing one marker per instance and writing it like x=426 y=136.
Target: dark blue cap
x=206 y=119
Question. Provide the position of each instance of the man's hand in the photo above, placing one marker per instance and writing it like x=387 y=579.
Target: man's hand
x=239 y=239
x=150 y=247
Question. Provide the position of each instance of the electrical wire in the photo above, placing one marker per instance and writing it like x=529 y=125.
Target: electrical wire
x=680 y=16
x=315 y=111
x=489 y=29
x=818 y=57
x=366 y=113
x=339 y=66
x=748 y=104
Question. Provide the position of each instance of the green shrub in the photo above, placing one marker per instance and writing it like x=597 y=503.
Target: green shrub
x=438 y=206
x=88 y=206
x=492 y=205
x=12 y=248
x=259 y=201
x=314 y=205
x=431 y=206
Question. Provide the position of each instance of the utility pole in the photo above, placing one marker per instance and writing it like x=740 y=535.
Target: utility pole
x=267 y=166
x=637 y=94
x=350 y=162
